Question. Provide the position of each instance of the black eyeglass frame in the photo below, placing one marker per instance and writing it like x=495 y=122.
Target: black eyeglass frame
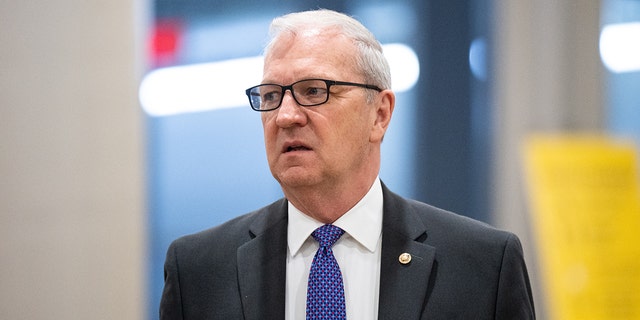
x=329 y=83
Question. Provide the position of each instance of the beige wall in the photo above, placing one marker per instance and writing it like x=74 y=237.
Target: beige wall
x=71 y=182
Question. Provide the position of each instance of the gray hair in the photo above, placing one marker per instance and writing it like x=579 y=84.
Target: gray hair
x=370 y=60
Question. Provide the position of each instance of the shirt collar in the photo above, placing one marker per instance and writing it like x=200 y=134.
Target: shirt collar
x=363 y=222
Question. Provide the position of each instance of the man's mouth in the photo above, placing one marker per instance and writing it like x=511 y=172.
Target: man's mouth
x=296 y=148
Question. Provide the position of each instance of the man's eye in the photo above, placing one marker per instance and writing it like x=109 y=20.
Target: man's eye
x=315 y=91
x=271 y=96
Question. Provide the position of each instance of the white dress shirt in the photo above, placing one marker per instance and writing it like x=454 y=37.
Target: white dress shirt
x=358 y=254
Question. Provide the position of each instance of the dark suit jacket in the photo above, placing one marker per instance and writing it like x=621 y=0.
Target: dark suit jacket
x=460 y=268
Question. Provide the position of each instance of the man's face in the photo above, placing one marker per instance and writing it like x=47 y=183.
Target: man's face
x=325 y=145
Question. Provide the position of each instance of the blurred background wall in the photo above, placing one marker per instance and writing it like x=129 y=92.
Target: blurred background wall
x=93 y=189
x=549 y=78
x=72 y=227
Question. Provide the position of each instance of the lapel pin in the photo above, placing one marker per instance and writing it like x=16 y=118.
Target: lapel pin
x=404 y=258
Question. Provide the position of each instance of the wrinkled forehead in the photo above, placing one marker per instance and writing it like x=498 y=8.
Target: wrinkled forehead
x=311 y=53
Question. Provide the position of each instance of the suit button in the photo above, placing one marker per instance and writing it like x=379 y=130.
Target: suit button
x=404 y=258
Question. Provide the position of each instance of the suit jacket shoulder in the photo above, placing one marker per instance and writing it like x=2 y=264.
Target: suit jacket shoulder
x=460 y=268
x=206 y=272
x=236 y=231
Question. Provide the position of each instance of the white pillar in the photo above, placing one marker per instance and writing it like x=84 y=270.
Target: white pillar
x=548 y=79
x=71 y=160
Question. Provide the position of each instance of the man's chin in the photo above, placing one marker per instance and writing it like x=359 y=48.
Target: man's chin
x=297 y=177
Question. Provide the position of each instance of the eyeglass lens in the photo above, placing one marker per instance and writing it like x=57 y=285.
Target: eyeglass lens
x=305 y=92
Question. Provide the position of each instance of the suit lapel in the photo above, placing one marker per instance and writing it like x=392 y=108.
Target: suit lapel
x=403 y=287
x=262 y=265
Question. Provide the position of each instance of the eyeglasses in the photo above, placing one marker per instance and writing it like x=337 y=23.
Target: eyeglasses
x=307 y=93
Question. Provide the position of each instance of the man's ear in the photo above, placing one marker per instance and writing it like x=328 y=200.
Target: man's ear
x=385 y=103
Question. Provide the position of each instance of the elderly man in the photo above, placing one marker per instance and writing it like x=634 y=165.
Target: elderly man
x=340 y=244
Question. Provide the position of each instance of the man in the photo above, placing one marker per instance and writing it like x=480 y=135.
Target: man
x=326 y=103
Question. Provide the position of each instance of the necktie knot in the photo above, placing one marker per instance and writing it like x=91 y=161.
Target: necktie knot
x=327 y=235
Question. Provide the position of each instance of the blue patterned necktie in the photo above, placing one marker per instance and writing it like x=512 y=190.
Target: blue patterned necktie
x=325 y=292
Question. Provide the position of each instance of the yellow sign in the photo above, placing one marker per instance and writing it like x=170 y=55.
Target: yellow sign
x=585 y=199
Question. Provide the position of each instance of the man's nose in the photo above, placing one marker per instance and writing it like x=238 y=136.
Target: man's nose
x=290 y=112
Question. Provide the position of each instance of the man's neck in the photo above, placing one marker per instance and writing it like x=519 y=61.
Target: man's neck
x=328 y=204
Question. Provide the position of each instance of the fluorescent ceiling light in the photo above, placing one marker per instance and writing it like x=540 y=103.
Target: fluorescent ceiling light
x=620 y=47
x=199 y=87
x=478 y=58
x=219 y=85
x=404 y=65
